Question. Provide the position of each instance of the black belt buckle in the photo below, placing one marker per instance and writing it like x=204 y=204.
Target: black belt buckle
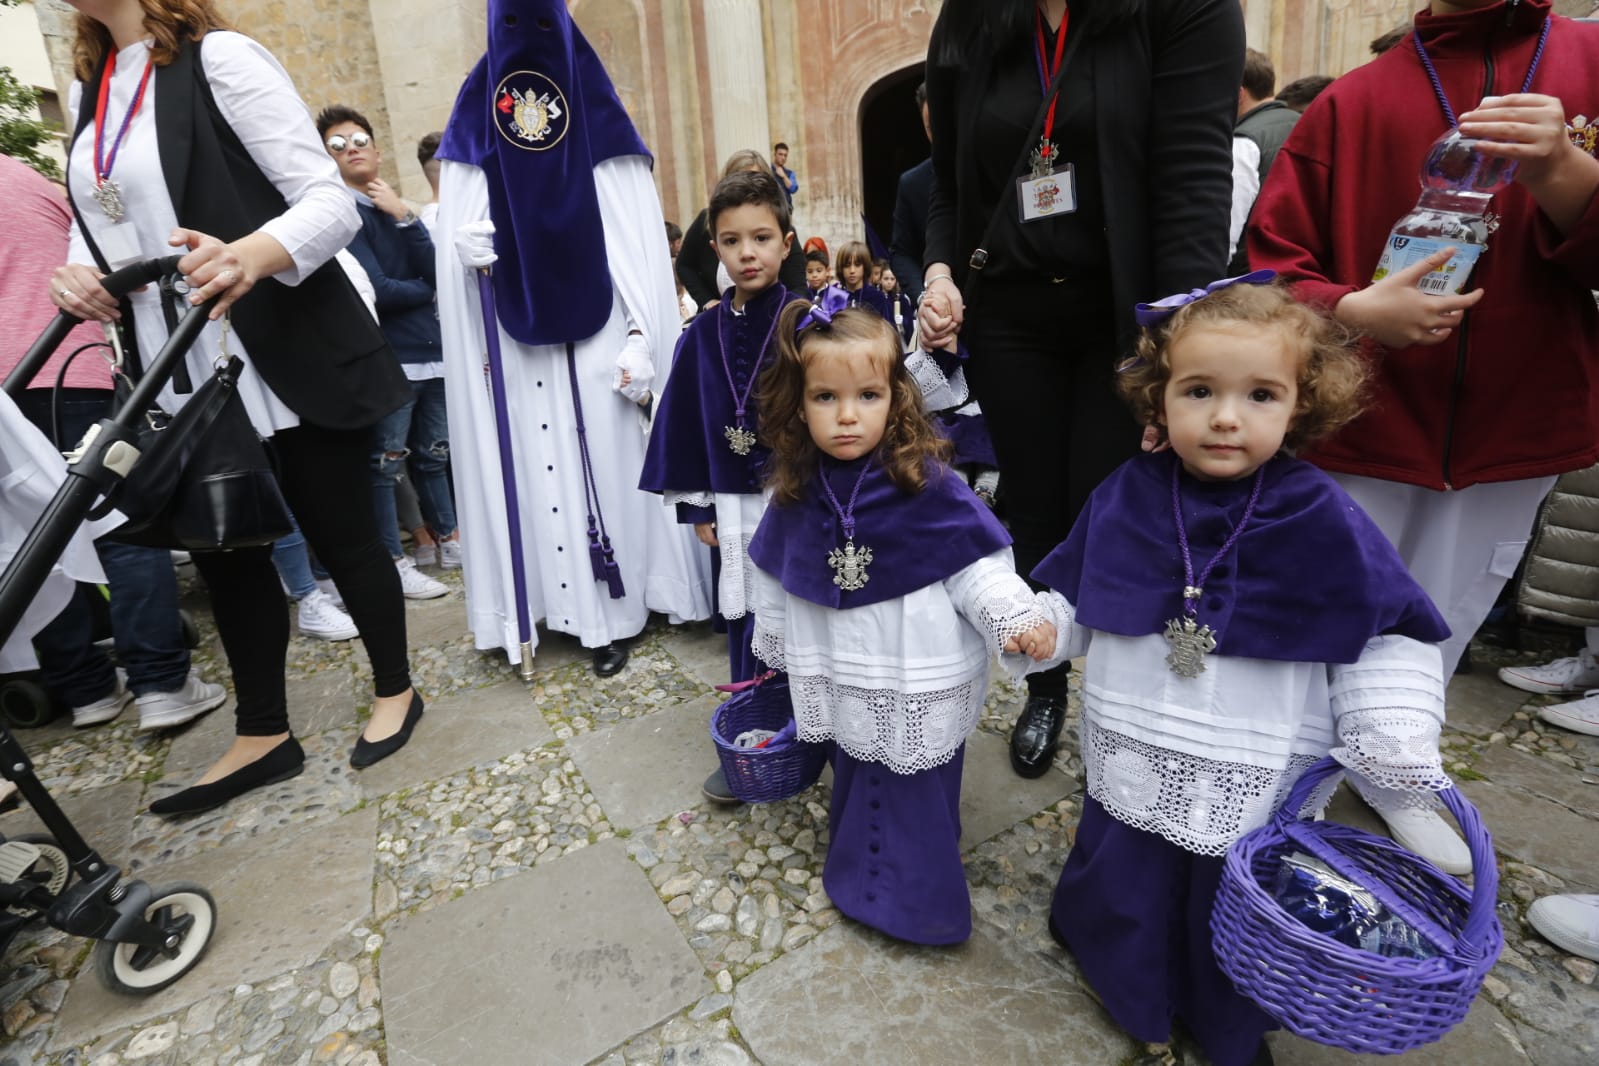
x=979 y=259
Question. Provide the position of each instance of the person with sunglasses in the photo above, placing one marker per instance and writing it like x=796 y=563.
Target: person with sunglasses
x=397 y=254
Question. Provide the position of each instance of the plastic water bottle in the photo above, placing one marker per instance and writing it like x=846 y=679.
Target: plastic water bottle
x=1458 y=182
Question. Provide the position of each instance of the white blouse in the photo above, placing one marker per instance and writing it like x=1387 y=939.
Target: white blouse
x=901 y=682
x=256 y=97
x=1203 y=760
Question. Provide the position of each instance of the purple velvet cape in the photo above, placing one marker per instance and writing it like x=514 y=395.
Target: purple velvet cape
x=916 y=540
x=687 y=451
x=870 y=296
x=542 y=198
x=1311 y=579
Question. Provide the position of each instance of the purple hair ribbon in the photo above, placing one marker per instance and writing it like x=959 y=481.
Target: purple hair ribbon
x=831 y=302
x=1149 y=316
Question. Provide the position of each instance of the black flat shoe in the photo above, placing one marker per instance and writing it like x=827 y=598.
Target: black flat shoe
x=610 y=659
x=716 y=790
x=366 y=752
x=281 y=763
x=1037 y=734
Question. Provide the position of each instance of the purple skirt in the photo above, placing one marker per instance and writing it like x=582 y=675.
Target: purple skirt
x=1134 y=909
x=893 y=859
x=969 y=434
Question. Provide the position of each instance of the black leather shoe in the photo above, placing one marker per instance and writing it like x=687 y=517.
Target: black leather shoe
x=366 y=752
x=281 y=763
x=1263 y=1057
x=610 y=659
x=716 y=790
x=1037 y=734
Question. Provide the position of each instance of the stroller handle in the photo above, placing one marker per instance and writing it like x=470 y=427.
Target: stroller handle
x=118 y=283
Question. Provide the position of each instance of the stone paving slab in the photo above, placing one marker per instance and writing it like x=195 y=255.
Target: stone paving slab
x=1541 y=777
x=264 y=925
x=557 y=966
x=461 y=730
x=994 y=797
x=103 y=817
x=1479 y=703
x=1485 y=1038
x=702 y=653
x=1538 y=832
x=645 y=769
x=431 y=623
x=854 y=997
x=317 y=702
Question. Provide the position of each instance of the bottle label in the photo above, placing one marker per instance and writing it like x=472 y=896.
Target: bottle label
x=1402 y=251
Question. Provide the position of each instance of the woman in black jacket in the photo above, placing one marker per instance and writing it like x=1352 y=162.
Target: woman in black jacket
x=1133 y=206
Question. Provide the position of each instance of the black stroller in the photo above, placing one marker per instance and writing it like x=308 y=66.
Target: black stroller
x=146 y=937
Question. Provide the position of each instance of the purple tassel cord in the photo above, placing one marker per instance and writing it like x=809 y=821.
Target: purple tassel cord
x=602 y=560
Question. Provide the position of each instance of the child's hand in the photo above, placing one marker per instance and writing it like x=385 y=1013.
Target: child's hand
x=1154 y=439
x=1037 y=643
x=1397 y=314
x=706 y=531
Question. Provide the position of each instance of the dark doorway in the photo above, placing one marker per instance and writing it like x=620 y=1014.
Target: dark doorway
x=892 y=141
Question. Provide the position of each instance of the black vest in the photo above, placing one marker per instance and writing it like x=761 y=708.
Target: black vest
x=315 y=344
x=1268 y=125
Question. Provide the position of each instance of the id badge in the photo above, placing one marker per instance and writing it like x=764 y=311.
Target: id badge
x=120 y=245
x=1047 y=195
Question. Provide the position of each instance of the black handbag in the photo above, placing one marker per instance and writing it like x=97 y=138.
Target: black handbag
x=204 y=480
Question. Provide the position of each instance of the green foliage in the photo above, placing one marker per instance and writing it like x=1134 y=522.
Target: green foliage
x=22 y=131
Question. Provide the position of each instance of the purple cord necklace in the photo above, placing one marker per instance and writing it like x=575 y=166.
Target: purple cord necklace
x=739 y=437
x=849 y=563
x=1438 y=85
x=1188 y=639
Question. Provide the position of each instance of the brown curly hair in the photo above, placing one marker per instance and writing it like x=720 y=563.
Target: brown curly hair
x=910 y=444
x=1332 y=373
x=168 y=21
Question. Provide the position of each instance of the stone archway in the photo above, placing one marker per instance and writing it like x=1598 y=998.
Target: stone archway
x=850 y=46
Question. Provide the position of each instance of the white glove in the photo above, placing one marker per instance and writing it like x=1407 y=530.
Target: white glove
x=474 y=243
x=635 y=362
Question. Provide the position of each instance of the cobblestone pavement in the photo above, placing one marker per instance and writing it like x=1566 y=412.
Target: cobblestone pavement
x=687 y=933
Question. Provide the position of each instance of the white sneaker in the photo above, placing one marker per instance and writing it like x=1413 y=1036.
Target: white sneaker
x=415 y=584
x=106 y=709
x=163 y=710
x=1425 y=833
x=326 y=586
x=1570 y=923
x=450 y=554
x=1579 y=716
x=319 y=618
x=1571 y=676
x=425 y=555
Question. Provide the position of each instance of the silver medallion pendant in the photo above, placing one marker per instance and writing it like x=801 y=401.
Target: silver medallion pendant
x=1189 y=642
x=849 y=566
x=108 y=194
x=739 y=439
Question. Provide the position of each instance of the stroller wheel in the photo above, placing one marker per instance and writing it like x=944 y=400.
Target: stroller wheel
x=183 y=910
x=49 y=866
x=25 y=704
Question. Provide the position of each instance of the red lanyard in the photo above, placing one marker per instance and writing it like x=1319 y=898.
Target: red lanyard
x=1046 y=76
x=104 y=163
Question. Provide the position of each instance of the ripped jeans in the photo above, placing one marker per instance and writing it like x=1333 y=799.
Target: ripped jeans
x=418 y=432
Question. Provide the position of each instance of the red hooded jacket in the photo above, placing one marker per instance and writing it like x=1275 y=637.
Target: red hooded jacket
x=1514 y=392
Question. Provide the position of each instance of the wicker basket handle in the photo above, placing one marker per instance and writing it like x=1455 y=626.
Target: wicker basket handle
x=1485 y=871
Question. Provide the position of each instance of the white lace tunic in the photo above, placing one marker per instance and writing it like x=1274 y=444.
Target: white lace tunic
x=1203 y=760
x=901 y=682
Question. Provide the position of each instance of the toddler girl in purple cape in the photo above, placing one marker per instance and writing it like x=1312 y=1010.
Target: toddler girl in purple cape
x=883 y=587
x=1242 y=618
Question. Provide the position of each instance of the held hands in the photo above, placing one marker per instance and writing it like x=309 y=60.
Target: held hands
x=215 y=269
x=941 y=313
x=706 y=531
x=1397 y=314
x=474 y=243
x=1037 y=643
x=635 y=370
x=385 y=199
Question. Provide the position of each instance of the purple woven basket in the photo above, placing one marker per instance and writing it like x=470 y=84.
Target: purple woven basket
x=787 y=765
x=1334 y=994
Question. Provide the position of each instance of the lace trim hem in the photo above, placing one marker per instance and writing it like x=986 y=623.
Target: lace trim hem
x=908 y=732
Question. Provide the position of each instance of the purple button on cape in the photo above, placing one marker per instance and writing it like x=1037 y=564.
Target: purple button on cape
x=1312 y=579
x=536 y=115
x=916 y=541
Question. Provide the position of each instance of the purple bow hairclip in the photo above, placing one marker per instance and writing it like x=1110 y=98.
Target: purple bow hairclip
x=833 y=301
x=1150 y=315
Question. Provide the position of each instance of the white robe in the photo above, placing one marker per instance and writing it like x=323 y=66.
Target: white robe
x=657 y=556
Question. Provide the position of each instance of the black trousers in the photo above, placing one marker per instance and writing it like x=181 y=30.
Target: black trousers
x=327 y=481
x=1042 y=366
